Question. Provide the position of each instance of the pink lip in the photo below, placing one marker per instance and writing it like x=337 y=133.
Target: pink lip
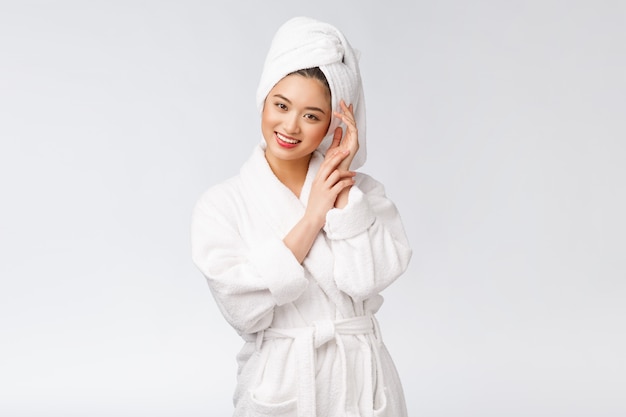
x=285 y=144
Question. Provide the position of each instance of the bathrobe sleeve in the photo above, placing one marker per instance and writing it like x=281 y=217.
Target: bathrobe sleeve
x=246 y=280
x=368 y=240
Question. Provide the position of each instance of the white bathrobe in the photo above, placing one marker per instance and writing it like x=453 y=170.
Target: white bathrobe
x=312 y=345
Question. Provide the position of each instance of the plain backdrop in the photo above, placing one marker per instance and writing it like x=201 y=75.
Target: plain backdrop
x=498 y=129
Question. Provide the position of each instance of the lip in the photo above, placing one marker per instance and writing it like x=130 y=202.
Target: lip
x=284 y=144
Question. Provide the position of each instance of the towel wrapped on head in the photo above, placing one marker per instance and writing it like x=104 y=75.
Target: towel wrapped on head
x=302 y=43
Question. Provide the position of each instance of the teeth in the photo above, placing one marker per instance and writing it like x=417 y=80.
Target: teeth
x=284 y=139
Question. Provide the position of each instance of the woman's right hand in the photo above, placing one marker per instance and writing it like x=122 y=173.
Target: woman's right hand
x=328 y=183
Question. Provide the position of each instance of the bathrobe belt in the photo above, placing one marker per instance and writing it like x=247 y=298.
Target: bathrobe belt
x=308 y=339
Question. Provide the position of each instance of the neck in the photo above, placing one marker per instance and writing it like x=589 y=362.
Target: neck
x=291 y=173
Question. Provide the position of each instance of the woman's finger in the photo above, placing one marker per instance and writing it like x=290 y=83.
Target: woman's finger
x=331 y=161
x=338 y=175
x=346 y=115
x=336 y=138
x=342 y=184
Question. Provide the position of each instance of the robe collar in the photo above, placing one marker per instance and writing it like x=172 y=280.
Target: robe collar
x=282 y=208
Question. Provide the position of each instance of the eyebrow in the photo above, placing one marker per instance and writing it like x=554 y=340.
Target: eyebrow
x=307 y=108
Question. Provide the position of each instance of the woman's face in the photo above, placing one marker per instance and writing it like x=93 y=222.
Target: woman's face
x=295 y=118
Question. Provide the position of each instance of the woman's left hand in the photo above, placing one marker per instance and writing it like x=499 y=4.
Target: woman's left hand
x=348 y=140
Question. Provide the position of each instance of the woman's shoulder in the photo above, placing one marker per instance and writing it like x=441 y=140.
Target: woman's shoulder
x=230 y=195
x=221 y=196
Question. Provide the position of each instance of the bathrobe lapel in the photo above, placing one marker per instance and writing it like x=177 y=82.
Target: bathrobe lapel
x=277 y=206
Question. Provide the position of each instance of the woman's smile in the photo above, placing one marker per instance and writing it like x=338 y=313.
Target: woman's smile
x=286 y=141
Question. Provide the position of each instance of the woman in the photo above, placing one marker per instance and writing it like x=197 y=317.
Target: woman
x=298 y=246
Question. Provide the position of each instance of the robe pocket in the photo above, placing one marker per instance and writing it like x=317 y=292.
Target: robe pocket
x=287 y=408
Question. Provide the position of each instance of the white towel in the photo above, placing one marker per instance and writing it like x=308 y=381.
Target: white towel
x=303 y=42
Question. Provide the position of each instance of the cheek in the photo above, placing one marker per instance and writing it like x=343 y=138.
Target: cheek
x=271 y=114
x=319 y=132
x=266 y=118
x=323 y=130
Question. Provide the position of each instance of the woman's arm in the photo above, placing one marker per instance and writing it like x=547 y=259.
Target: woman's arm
x=247 y=281
x=368 y=240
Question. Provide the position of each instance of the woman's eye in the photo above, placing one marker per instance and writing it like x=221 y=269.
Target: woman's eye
x=311 y=116
x=281 y=106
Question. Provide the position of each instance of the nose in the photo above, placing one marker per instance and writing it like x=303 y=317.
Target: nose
x=291 y=123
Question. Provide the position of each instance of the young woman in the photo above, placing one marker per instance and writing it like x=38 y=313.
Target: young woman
x=298 y=246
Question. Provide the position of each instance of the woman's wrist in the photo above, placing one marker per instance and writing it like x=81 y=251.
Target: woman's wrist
x=314 y=221
x=342 y=198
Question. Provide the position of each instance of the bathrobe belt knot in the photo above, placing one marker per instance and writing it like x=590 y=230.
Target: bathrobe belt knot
x=308 y=339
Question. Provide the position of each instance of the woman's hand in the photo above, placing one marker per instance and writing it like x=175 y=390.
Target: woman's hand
x=349 y=140
x=330 y=180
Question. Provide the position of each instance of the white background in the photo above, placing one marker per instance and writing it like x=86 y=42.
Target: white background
x=497 y=127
